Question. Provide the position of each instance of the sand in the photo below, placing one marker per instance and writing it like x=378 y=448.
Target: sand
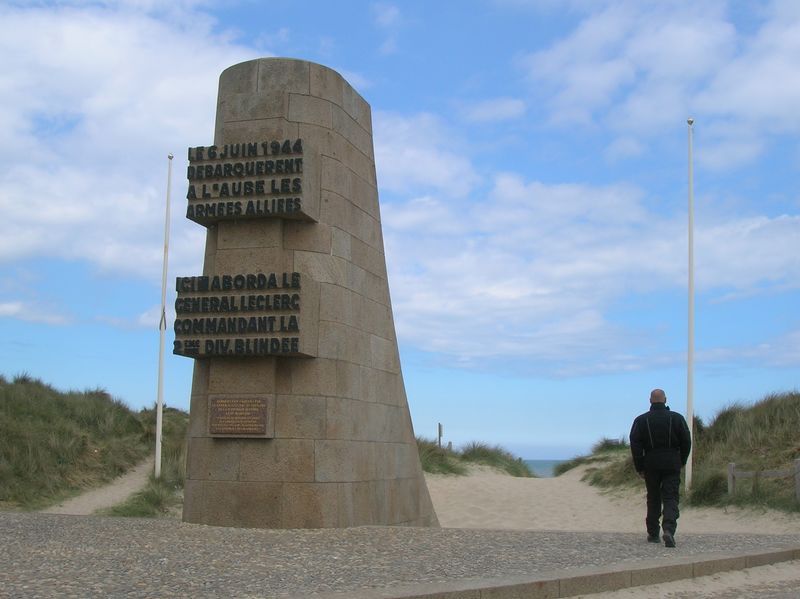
x=493 y=500
x=117 y=491
x=489 y=499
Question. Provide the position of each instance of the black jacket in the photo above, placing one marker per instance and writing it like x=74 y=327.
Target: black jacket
x=660 y=440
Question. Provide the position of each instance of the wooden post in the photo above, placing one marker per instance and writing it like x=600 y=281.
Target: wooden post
x=797 y=479
x=756 y=481
x=731 y=478
x=441 y=432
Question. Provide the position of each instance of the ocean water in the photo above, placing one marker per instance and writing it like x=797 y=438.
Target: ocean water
x=543 y=468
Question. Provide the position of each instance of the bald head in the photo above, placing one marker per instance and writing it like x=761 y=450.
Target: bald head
x=658 y=396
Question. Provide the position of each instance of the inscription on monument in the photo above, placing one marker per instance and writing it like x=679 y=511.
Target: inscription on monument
x=246 y=180
x=237 y=416
x=238 y=315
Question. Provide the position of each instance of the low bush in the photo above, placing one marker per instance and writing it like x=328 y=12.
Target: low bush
x=709 y=487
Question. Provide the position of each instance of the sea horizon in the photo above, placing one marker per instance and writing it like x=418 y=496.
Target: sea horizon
x=543 y=468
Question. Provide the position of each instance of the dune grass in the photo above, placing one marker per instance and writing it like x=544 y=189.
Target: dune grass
x=496 y=457
x=438 y=460
x=604 y=453
x=160 y=495
x=617 y=467
x=763 y=436
x=54 y=444
x=446 y=461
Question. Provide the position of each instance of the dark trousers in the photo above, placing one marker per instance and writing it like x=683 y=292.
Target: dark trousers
x=662 y=498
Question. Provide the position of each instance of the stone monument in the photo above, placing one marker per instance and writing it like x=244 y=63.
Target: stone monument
x=298 y=417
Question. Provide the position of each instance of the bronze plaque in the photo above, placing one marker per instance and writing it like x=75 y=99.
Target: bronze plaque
x=238 y=416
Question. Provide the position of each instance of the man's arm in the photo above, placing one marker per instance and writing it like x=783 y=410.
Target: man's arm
x=686 y=441
x=637 y=447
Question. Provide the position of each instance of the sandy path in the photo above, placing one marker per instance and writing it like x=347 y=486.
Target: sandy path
x=117 y=491
x=487 y=499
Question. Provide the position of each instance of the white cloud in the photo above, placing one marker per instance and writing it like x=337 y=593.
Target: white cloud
x=640 y=68
x=632 y=64
x=388 y=18
x=527 y=273
x=748 y=252
x=91 y=106
x=358 y=81
x=493 y=110
x=762 y=84
x=411 y=154
x=778 y=352
x=31 y=313
x=10 y=308
x=386 y=15
x=724 y=143
x=149 y=319
x=484 y=266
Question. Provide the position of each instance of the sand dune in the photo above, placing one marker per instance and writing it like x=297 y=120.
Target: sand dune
x=489 y=499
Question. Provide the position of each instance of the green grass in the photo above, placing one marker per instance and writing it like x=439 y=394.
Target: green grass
x=495 y=456
x=157 y=498
x=438 y=460
x=445 y=461
x=161 y=495
x=763 y=436
x=604 y=453
x=54 y=444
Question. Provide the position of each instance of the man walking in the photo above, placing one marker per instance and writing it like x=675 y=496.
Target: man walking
x=660 y=444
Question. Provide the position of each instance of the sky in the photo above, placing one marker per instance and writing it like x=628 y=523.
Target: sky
x=532 y=164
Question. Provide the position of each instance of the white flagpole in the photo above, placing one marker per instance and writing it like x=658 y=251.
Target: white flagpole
x=690 y=358
x=162 y=327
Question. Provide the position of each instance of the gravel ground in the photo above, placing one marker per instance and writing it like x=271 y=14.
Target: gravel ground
x=48 y=555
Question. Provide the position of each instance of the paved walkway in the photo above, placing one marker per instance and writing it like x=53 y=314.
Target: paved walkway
x=48 y=555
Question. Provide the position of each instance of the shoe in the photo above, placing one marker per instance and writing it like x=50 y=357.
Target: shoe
x=653 y=538
x=669 y=540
